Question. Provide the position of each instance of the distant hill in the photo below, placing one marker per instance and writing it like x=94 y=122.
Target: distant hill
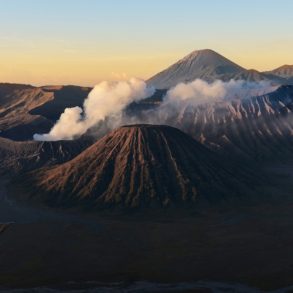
x=285 y=71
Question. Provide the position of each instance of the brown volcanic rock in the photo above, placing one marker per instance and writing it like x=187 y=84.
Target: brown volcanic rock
x=139 y=165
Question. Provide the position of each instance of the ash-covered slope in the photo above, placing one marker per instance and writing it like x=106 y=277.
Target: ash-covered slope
x=17 y=157
x=134 y=166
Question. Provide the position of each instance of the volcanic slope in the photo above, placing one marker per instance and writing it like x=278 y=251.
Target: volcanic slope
x=137 y=166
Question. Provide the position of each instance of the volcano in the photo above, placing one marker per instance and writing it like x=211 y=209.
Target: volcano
x=203 y=64
x=136 y=166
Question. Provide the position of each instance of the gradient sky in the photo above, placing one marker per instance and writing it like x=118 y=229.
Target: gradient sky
x=86 y=41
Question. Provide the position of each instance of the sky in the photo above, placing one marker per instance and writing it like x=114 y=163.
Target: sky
x=86 y=41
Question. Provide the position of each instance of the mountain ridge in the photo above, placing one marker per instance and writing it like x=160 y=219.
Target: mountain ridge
x=284 y=71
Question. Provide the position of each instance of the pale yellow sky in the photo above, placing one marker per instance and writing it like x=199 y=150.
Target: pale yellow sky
x=83 y=41
x=72 y=67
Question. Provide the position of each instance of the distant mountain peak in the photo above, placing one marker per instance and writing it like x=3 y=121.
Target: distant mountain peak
x=209 y=65
x=205 y=64
x=195 y=53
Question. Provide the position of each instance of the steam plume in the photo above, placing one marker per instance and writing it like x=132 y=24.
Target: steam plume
x=200 y=92
x=106 y=99
x=109 y=99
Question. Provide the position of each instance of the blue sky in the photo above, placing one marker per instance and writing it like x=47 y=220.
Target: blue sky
x=109 y=38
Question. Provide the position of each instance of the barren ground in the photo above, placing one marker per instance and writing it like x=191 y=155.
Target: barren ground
x=250 y=244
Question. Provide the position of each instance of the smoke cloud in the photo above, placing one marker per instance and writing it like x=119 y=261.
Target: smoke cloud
x=105 y=100
x=186 y=97
x=201 y=92
x=105 y=105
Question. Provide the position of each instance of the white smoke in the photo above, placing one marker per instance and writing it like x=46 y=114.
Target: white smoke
x=106 y=102
x=106 y=99
x=185 y=98
x=201 y=92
